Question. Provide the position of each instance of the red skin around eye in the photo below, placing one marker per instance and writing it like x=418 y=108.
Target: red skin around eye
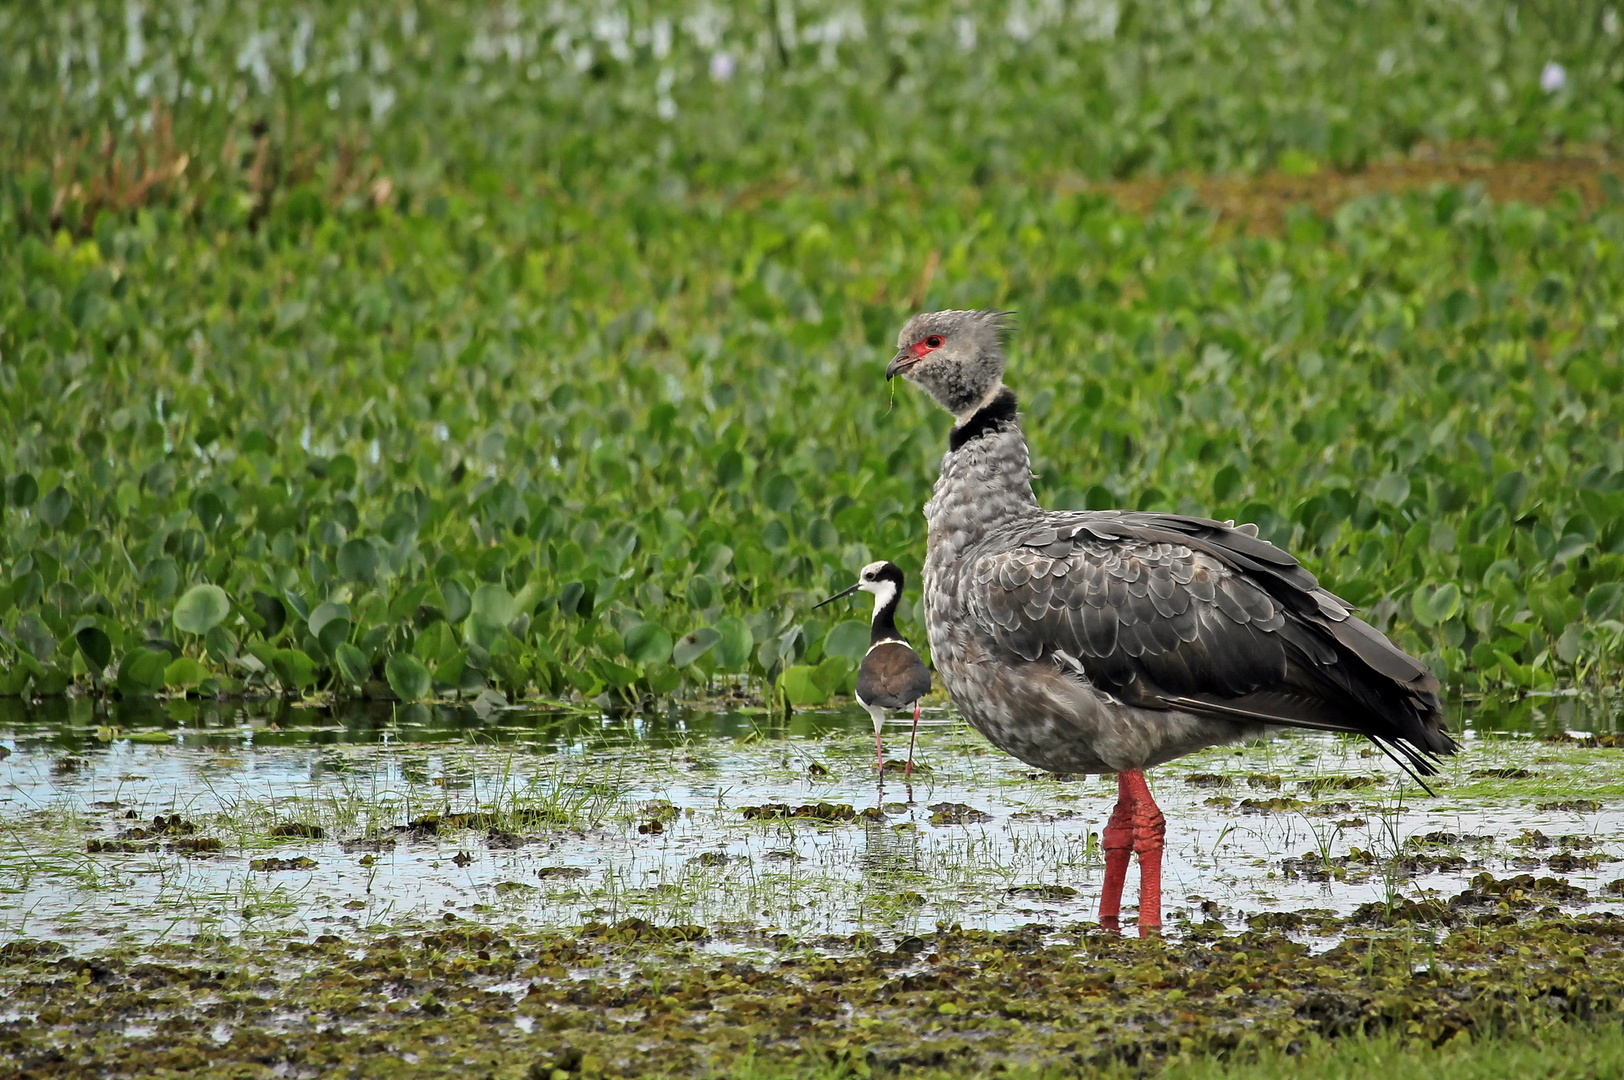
x=918 y=349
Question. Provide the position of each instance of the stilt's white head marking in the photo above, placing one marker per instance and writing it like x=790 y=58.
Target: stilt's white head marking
x=881 y=579
x=874 y=579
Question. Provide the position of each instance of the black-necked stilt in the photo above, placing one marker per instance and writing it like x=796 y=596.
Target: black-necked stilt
x=891 y=675
x=1111 y=641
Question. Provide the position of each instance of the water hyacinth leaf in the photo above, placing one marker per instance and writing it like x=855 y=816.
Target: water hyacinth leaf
x=55 y=507
x=833 y=673
x=1511 y=491
x=96 y=647
x=730 y=469
x=648 y=643
x=272 y=611
x=801 y=686
x=662 y=678
x=457 y=601
x=1392 y=489
x=358 y=560
x=142 y=671
x=325 y=613
x=780 y=493
x=27 y=590
x=1603 y=600
x=160 y=579
x=701 y=592
x=733 y=650
x=617 y=676
x=492 y=605
x=1444 y=602
x=333 y=633
x=694 y=644
x=210 y=510
x=201 y=608
x=436 y=644
x=22 y=490
x=407 y=676
x=294 y=669
x=848 y=639
x=352 y=664
x=35 y=636
x=185 y=673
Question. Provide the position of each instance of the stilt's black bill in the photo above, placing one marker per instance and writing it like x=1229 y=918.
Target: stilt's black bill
x=838 y=595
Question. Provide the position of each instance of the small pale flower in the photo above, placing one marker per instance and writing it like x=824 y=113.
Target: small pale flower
x=1553 y=77
x=721 y=66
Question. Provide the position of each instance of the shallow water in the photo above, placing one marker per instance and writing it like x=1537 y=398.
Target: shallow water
x=600 y=819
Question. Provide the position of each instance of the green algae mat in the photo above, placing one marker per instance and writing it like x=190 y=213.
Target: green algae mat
x=639 y=1000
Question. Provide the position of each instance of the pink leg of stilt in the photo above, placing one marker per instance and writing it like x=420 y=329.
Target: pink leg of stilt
x=879 y=752
x=1149 y=832
x=1117 y=839
x=912 y=736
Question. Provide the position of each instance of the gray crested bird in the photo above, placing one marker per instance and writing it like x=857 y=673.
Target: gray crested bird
x=1111 y=641
x=891 y=675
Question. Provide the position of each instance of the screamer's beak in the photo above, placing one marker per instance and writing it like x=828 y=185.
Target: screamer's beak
x=838 y=595
x=900 y=363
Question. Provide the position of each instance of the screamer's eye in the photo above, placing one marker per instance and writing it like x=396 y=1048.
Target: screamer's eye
x=934 y=342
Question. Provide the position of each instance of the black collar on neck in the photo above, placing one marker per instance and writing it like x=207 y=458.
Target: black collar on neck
x=992 y=417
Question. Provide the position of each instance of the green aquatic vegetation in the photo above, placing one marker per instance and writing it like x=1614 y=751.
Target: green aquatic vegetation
x=314 y=387
x=634 y=997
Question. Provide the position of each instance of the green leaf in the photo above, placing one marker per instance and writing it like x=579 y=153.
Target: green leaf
x=801 y=686
x=780 y=493
x=662 y=678
x=701 y=592
x=333 y=633
x=185 y=673
x=1511 y=491
x=694 y=644
x=1603 y=600
x=457 y=601
x=142 y=671
x=273 y=611
x=1392 y=489
x=352 y=664
x=492 y=605
x=55 y=507
x=96 y=647
x=616 y=675
x=294 y=669
x=201 y=609
x=23 y=490
x=1444 y=603
x=326 y=613
x=831 y=673
x=358 y=560
x=407 y=676
x=848 y=639
x=648 y=643
x=733 y=651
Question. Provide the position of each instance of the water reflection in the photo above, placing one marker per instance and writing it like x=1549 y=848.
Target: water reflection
x=74 y=725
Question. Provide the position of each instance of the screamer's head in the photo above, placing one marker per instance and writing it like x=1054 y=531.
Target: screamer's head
x=957 y=357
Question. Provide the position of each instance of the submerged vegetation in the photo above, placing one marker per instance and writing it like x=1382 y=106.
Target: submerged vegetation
x=633 y=999
x=417 y=351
